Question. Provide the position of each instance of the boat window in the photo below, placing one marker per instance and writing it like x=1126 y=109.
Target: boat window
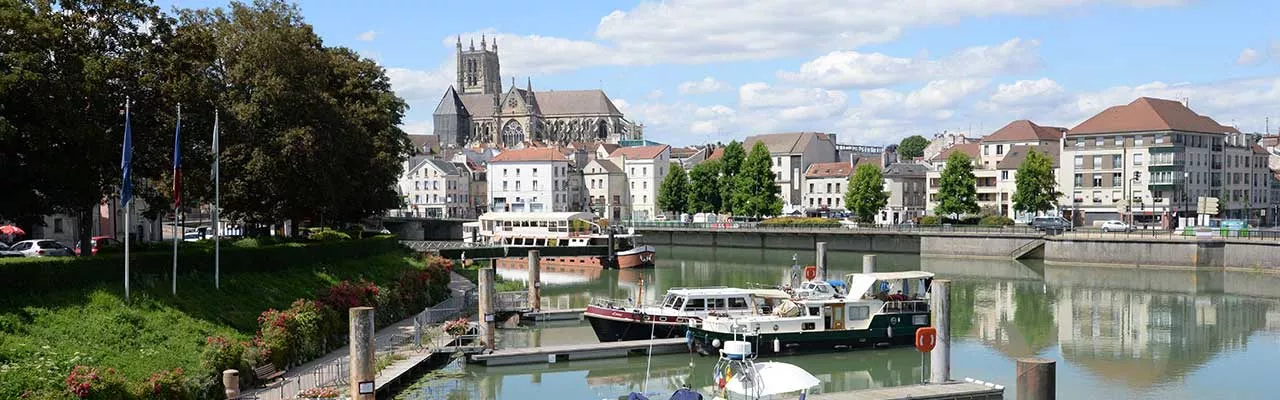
x=813 y=312
x=715 y=304
x=808 y=326
x=858 y=313
x=695 y=305
x=669 y=300
x=737 y=303
x=679 y=303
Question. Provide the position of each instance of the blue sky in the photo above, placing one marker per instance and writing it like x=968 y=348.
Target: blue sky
x=873 y=71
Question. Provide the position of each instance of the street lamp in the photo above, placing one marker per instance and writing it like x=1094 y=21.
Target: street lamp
x=1137 y=177
x=1185 y=177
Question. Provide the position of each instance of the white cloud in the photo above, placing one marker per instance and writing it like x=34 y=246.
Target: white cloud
x=793 y=103
x=367 y=36
x=421 y=89
x=1028 y=92
x=1248 y=56
x=539 y=55
x=850 y=69
x=706 y=85
x=654 y=94
x=416 y=127
x=942 y=93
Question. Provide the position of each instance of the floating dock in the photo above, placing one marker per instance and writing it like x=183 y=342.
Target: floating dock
x=945 y=391
x=587 y=351
x=573 y=314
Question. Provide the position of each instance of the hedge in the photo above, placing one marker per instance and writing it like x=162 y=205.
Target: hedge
x=800 y=221
x=20 y=276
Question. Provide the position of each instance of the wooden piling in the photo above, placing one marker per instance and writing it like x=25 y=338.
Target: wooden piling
x=535 y=281
x=821 y=261
x=362 y=352
x=487 y=307
x=940 y=309
x=1037 y=379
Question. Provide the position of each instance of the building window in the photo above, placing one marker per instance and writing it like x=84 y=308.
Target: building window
x=504 y=172
x=1117 y=161
x=1137 y=159
x=1117 y=179
x=1159 y=139
x=644 y=171
x=644 y=185
x=999 y=149
x=1004 y=175
x=535 y=172
x=1079 y=161
x=1097 y=180
x=1079 y=180
x=1119 y=140
x=644 y=199
x=1137 y=140
x=986 y=150
x=811 y=188
x=633 y=171
x=517 y=185
x=1097 y=162
x=504 y=185
x=1079 y=142
x=838 y=187
x=535 y=184
x=1097 y=141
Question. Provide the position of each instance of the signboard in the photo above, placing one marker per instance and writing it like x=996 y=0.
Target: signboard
x=366 y=387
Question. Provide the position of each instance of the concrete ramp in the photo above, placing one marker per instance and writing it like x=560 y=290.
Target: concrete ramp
x=1032 y=249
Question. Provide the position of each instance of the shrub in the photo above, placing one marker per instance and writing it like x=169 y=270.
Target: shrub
x=310 y=329
x=277 y=334
x=167 y=385
x=320 y=393
x=329 y=235
x=457 y=327
x=995 y=220
x=345 y=294
x=800 y=221
x=89 y=383
x=930 y=220
x=221 y=354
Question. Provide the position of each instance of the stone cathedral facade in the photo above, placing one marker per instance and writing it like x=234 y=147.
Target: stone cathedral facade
x=477 y=111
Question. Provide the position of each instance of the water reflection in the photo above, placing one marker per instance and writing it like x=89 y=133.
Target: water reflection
x=1116 y=332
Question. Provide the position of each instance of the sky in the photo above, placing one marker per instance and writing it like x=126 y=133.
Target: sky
x=872 y=71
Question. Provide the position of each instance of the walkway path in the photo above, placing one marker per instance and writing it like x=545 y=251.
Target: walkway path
x=333 y=367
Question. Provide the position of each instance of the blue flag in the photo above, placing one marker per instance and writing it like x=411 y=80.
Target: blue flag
x=177 y=162
x=126 y=160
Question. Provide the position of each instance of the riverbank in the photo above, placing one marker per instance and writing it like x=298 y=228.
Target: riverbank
x=62 y=313
x=1159 y=249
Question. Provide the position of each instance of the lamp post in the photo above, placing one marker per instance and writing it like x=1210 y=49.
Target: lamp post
x=1185 y=176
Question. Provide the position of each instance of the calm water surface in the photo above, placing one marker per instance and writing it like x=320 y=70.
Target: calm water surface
x=1115 y=333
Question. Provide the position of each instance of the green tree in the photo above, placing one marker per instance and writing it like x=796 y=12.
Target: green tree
x=866 y=195
x=704 y=187
x=957 y=190
x=731 y=161
x=674 y=192
x=912 y=146
x=1037 y=189
x=754 y=191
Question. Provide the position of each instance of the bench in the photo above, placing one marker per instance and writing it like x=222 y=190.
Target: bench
x=267 y=373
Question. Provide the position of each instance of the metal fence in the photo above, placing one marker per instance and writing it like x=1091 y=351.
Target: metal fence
x=869 y=228
x=1191 y=233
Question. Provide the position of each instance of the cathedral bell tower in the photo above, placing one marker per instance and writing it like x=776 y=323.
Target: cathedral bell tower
x=478 y=70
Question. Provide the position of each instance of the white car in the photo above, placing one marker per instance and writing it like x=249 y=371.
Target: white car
x=41 y=248
x=1115 y=226
x=192 y=237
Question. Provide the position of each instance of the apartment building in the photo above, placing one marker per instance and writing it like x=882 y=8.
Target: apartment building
x=645 y=168
x=437 y=189
x=607 y=189
x=1150 y=160
x=996 y=158
x=826 y=183
x=533 y=179
x=905 y=183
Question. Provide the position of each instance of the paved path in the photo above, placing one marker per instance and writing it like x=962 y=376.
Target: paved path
x=333 y=366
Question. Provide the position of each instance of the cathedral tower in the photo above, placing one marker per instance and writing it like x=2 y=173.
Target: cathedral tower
x=478 y=70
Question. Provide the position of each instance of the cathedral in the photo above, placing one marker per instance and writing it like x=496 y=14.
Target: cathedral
x=476 y=111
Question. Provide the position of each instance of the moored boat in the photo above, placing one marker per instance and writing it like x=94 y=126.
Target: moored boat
x=560 y=229
x=880 y=309
x=614 y=320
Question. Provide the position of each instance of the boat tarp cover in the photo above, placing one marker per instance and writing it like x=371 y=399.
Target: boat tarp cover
x=685 y=394
x=787 y=308
x=636 y=396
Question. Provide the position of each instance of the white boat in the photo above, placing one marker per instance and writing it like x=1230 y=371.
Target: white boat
x=615 y=320
x=738 y=376
x=881 y=309
x=558 y=229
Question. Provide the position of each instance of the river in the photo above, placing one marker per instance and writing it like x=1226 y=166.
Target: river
x=1115 y=333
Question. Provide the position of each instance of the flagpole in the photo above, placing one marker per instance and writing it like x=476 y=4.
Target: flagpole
x=177 y=233
x=128 y=157
x=217 y=219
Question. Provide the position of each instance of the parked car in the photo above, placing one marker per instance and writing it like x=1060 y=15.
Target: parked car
x=40 y=248
x=5 y=252
x=1115 y=226
x=101 y=243
x=192 y=237
x=1051 y=224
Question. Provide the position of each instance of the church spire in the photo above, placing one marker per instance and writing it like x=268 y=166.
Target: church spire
x=459 y=42
x=495 y=44
x=473 y=44
x=482 y=44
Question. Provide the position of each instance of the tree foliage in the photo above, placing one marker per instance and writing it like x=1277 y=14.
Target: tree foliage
x=674 y=192
x=731 y=162
x=957 y=190
x=308 y=131
x=912 y=146
x=866 y=195
x=704 y=187
x=1036 y=186
x=755 y=192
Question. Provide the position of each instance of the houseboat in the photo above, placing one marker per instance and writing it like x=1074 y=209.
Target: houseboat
x=880 y=309
x=559 y=229
x=616 y=320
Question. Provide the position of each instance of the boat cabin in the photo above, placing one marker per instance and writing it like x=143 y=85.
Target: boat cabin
x=721 y=299
x=535 y=229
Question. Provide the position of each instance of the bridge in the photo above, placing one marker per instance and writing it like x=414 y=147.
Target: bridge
x=409 y=227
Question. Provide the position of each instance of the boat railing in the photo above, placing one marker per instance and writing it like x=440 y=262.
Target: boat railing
x=905 y=306
x=617 y=304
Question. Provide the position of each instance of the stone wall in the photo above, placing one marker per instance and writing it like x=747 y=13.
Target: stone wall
x=972 y=246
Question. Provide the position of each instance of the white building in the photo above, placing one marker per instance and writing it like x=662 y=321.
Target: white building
x=645 y=168
x=792 y=154
x=607 y=189
x=905 y=183
x=825 y=185
x=437 y=189
x=534 y=179
x=996 y=158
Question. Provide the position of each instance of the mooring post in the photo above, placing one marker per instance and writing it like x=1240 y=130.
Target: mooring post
x=868 y=263
x=487 y=307
x=940 y=309
x=1037 y=379
x=821 y=262
x=231 y=383
x=535 y=281
x=361 y=352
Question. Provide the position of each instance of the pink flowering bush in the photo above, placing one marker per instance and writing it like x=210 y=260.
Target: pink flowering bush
x=89 y=383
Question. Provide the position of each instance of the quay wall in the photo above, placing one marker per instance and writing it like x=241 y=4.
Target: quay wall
x=965 y=245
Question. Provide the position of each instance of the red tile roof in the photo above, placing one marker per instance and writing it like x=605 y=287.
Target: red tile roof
x=967 y=148
x=530 y=154
x=640 y=152
x=1148 y=114
x=840 y=169
x=1023 y=130
x=716 y=154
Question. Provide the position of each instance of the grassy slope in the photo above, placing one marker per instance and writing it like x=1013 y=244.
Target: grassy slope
x=42 y=337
